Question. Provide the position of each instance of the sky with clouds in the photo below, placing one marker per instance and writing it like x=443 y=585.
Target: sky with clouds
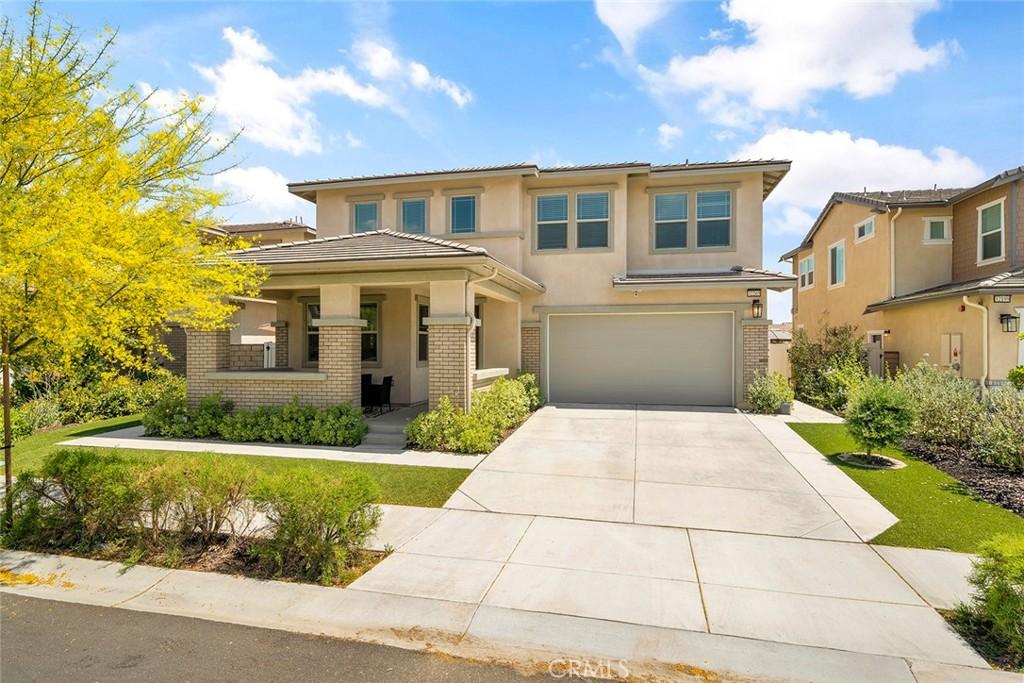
x=883 y=95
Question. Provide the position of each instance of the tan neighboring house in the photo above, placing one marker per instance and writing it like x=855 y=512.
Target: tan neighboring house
x=934 y=275
x=780 y=339
x=614 y=283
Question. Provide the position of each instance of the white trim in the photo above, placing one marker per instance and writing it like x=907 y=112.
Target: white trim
x=832 y=246
x=810 y=271
x=947 y=230
x=1002 y=232
x=857 y=238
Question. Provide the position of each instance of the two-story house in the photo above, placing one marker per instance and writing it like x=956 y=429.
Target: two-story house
x=934 y=275
x=614 y=283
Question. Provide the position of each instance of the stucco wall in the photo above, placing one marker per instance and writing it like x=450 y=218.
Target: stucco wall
x=921 y=263
x=252 y=322
x=965 y=234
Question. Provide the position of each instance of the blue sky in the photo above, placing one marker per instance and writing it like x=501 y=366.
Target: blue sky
x=883 y=96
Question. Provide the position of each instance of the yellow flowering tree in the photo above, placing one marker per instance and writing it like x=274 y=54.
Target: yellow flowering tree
x=102 y=215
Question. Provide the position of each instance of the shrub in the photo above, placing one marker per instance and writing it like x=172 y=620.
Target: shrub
x=214 y=497
x=996 y=610
x=767 y=393
x=114 y=396
x=447 y=428
x=34 y=415
x=1000 y=439
x=878 y=414
x=1016 y=377
x=169 y=417
x=534 y=396
x=503 y=406
x=207 y=418
x=340 y=425
x=824 y=369
x=316 y=522
x=947 y=410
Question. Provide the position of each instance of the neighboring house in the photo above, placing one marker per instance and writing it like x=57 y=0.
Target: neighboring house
x=614 y=283
x=780 y=339
x=935 y=275
x=261 y=234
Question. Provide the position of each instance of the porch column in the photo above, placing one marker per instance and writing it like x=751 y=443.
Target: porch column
x=755 y=351
x=340 y=343
x=451 y=343
x=206 y=351
x=280 y=343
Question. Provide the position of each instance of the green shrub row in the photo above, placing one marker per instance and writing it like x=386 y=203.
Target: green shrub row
x=767 y=393
x=214 y=417
x=494 y=412
x=313 y=527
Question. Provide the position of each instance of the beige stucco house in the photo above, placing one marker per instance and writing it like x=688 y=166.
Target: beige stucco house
x=614 y=283
x=935 y=275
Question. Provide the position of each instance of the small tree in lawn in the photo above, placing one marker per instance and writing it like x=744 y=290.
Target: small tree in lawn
x=879 y=414
x=103 y=218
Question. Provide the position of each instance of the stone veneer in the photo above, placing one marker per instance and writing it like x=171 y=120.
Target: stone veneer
x=529 y=350
x=245 y=356
x=280 y=343
x=755 y=351
x=452 y=353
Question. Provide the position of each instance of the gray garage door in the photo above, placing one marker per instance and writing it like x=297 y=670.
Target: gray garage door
x=649 y=358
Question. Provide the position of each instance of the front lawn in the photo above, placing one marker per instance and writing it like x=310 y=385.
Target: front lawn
x=935 y=510
x=399 y=484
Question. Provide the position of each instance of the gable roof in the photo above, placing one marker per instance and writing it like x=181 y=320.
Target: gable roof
x=378 y=245
x=1010 y=282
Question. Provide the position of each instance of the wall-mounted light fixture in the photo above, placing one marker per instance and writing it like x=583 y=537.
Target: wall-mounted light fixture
x=1010 y=323
x=756 y=309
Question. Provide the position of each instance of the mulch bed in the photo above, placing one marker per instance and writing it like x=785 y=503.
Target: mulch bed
x=995 y=485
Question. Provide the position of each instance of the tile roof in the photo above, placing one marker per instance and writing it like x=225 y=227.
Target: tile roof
x=1010 y=282
x=936 y=195
x=235 y=228
x=378 y=245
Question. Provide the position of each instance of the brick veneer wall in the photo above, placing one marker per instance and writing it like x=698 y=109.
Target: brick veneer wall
x=529 y=350
x=245 y=356
x=452 y=353
x=174 y=339
x=755 y=351
x=281 y=344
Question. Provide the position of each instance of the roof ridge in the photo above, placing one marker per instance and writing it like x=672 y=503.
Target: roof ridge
x=428 y=238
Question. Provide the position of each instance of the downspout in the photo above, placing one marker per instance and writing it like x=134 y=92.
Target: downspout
x=892 y=252
x=984 y=343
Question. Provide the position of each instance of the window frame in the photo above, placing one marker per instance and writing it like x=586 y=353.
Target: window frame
x=731 y=246
x=569 y=212
x=801 y=274
x=607 y=220
x=377 y=301
x=364 y=202
x=449 y=214
x=422 y=330
x=857 y=237
x=655 y=249
x=947 y=230
x=309 y=329
x=426 y=214
x=842 y=283
x=1001 y=203
x=572 y=237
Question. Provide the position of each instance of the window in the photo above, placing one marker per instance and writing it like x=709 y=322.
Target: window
x=990 y=231
x=714 y=218
x=864 y=229
x=414 y=216
x=553 y=221
x=807 y=272
x=837 y=264
x=591 y=220
x=422 y=334
x=365 y=216
x=670 y=211
x=312 y=335
x=936 y=230
x=463 y=214
x=370 y=312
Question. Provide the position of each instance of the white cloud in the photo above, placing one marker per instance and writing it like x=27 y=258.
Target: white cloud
x=383 y=64
x=273 y=109
x=162 y=100
x=833 y=161
x=628 y=19
x=260 y=188
x=668 y=135
x=797 y=49
x=790 y=220
x=352 y=141
x=718 y=35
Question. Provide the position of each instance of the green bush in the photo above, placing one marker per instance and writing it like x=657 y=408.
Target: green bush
x=316 y=522
x=503 y=406
x=31 y=416
x=534 y=396
x=1000 y=439
x=879 y=414
x=768 y=392
x=1016 y=377
x=824 y=369
x=213 y=499
x=115 y=396
x=996 y=611
x=947 y=408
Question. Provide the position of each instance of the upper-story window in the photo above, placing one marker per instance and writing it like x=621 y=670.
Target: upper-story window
x=591 y=220
x=553 y=221
x=937 y=231
x=864 y=230
x=714 y=219
x=462 y=213
x=670 y=225
x=807 y=272
x=990 y=232
x=414 y=216
x=366 y=216
x=837 y=264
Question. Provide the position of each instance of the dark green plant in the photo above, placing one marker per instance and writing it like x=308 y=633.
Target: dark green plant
x=317 y=522
x=996 y=611
x=824 y=368
x=1016 y=377
x=534 y=396
x=878 y=414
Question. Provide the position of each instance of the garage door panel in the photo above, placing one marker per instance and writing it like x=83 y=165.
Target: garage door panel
x=680 y=359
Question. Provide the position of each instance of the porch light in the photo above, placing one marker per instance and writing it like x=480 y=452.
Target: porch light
x=1009 y=322
x=756 y=309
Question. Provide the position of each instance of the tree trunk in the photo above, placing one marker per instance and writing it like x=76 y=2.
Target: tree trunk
x=8 y=436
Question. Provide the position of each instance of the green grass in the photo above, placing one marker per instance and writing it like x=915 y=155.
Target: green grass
x=399 y=484
x=935 y=510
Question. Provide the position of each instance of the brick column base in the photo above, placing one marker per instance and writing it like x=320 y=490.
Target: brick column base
x=452 y=353
x=755 y=352
x=280 y=343
x=340 y=359
x=529 y=351
x=206 y=351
